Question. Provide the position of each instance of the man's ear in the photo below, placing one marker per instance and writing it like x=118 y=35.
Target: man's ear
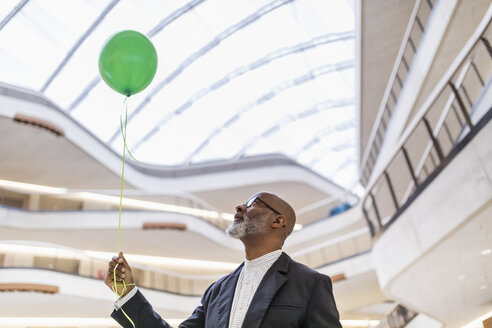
x=280 y=221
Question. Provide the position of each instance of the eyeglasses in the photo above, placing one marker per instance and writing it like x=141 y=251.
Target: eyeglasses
x=257 y=198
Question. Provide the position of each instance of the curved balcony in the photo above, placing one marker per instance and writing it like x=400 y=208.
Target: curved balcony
x=77 y=263
x=80 y=263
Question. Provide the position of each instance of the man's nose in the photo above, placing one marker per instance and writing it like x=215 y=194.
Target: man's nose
x=240 y=208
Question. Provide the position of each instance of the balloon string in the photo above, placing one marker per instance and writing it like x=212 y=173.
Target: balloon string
x=124 y=136
x=126 y=315
x=125 y=149
x=122 y=171
x=115 y=286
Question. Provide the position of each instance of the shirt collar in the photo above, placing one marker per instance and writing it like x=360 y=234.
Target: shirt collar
x=267 y=258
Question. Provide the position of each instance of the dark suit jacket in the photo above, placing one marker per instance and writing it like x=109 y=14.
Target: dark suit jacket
x=290 y=295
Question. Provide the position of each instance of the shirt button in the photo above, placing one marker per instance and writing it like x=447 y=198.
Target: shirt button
x=247 y=282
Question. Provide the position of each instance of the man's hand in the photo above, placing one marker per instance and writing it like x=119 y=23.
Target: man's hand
x=123 y=272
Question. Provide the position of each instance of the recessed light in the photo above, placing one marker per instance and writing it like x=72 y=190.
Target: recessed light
x=63 y=322
x=486 y=251
x=483 y=287
x=461 y=277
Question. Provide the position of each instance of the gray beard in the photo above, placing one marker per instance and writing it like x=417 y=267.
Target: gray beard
x=248 y=227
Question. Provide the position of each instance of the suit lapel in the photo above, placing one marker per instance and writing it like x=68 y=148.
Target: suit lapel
x=270 y=284
x=225 y=298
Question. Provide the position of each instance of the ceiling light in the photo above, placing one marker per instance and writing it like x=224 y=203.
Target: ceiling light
x=64 y=322
x=115 y=200
x=483 y=287
x=38 y=250
x=31 y=188
x=146 y=259
x=359 y=323
x=486 y=251
x=66 y=253
x=147 y=205
x=461 y=277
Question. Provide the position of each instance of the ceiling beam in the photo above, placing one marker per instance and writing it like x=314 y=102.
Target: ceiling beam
x=205 y=49
x=311 y=75
x=12 y=14
x=79 y=42
x=283 y=122
x=239 y=71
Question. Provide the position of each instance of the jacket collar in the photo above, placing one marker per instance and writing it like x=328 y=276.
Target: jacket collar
x=226 y=296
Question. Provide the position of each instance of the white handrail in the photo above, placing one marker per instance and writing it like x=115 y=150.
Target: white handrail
x=390 y=84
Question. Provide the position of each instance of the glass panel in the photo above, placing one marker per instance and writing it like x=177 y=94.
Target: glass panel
x=257 y=118
x=6 y=7
x=36 y=40
x=233 y=78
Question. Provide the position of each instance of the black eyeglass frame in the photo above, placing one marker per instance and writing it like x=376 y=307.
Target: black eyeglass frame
x=252 y=200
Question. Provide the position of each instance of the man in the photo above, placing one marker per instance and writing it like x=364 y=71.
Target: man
x=268 y=290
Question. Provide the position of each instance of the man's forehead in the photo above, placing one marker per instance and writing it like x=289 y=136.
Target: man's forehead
x=267 y=196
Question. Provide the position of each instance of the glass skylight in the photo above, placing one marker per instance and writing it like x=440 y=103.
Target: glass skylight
x=235 y=78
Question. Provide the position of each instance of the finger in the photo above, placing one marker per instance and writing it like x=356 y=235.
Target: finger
x=120 y=275
x=119 y=272
x=119 y=279
x=115 y=260
x=110 y=279
x=112 y=264
x=128 y=269
x=119 y=267
x=118 y=259
x=125 y=263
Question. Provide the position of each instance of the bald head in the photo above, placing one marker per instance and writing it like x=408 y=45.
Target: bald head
x=282 y=207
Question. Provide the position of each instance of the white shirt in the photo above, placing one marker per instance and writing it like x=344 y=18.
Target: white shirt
x=249 y=279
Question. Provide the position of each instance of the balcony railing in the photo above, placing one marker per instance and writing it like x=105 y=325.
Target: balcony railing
x=411 y=39
x=80 y=264
x=138 y=200
x=76 y=263
x=108 y=200
x=453 y=113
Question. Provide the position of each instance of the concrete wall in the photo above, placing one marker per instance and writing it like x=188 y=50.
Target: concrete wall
x=438 y=239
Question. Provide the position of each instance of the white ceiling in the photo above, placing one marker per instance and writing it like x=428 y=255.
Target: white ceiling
x=234 y=79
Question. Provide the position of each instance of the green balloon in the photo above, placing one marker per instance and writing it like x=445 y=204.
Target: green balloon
x=128 y=62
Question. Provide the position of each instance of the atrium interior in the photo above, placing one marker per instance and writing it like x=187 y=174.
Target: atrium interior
x=371 y=118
